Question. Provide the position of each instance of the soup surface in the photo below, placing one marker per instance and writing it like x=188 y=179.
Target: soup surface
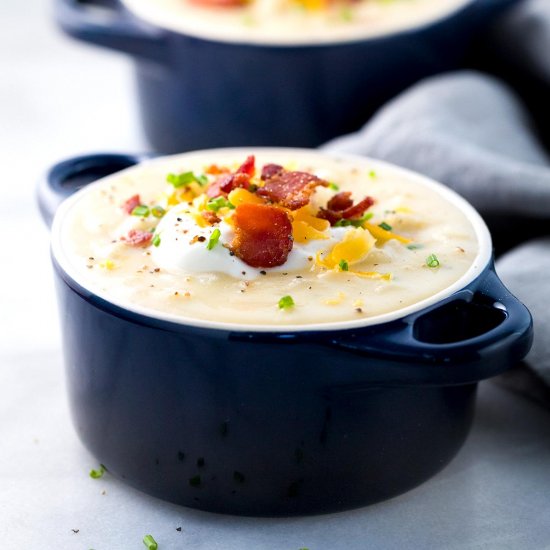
x=274 y=237
x=290 y=21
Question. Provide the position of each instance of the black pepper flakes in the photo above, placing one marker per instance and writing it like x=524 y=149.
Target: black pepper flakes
x=201 y=238
x=263 y=272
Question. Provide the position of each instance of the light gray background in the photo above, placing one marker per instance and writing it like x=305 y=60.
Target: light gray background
x=58 y=98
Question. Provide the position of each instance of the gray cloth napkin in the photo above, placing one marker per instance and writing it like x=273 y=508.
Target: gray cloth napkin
x=470 y=132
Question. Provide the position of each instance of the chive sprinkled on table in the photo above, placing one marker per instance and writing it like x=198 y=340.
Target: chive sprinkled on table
x=150 y=543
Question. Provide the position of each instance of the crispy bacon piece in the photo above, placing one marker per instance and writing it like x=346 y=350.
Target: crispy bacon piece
x=357 y=210
x=210 y=216
x=290 y=189
x=340 y=201
x=137 y=237
x=213 y=189
x=227 y=182
x=263 y=235
x=131 y=203
x=341 y=207
x=248 y=166
x=269 y=170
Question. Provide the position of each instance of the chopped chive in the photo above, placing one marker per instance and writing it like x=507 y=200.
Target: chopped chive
x=186 y=178
x=385 y=226
x=214 y=238
x=96 y=474
x=217 y=203
x=355 y=223
x=150 y=542
x=334 y=186
x=158 y=211
x=365 y=218
x=432 y=261
x=286 y=302
x=141 y=210
x=415 y=246
x=156 y=240
x=344 y=266
x=372 y=174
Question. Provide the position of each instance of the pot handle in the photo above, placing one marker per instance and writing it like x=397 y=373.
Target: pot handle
x=474 y=334
x=68 y=176
x=107 y=23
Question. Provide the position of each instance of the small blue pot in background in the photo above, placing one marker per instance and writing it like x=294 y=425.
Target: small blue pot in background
x=276 y=421
x=196 y=93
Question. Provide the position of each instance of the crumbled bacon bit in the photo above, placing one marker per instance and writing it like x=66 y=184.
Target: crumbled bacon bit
x=248 y=167
x=357 y=210
x=131 y=203
x=290 y=189
x=263 y=235
x=340 y=201
x=333 y=213
x=270 y=170
x=226 y=183
x=137 y=237
x=210 y=216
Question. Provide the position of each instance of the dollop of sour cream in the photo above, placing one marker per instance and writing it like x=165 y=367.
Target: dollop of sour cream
x=184 y=248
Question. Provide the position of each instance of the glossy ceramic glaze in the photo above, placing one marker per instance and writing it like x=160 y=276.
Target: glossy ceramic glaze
x=278 y=422
x=196 y=93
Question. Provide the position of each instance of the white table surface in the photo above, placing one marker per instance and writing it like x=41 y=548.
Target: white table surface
x=57 y=99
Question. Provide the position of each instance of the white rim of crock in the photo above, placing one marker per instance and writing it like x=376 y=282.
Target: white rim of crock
x=479 y=264
x=234 y=37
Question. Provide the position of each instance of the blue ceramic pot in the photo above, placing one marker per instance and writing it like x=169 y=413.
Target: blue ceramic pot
x=198 y=93
x=277 y=421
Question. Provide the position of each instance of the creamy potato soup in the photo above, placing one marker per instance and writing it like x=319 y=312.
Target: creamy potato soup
x=290 y=21
x=267 y=237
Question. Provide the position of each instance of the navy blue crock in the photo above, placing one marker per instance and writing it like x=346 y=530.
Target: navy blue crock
x=277 y=423
x=196 y=93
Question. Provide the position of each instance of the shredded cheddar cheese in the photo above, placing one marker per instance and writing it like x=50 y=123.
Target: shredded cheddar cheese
x=384 y=235
x=340 y=297
x=353 y=248
x=240 y=196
